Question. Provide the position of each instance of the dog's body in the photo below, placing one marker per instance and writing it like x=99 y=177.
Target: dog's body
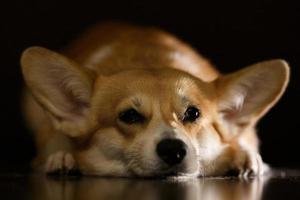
x=132 y=101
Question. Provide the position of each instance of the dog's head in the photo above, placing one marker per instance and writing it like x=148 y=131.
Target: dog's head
x=151 y=122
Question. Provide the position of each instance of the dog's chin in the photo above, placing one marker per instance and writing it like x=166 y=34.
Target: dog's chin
x=177 y=175
x=171 y=173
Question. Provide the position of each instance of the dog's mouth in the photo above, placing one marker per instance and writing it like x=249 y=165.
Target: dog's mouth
x=169 y=175
x=162 y=171
x=172 y=173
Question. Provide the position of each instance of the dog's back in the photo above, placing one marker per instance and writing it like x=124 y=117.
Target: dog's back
x=110 y=48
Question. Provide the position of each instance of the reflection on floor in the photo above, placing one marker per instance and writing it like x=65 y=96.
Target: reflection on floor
x=279 y=185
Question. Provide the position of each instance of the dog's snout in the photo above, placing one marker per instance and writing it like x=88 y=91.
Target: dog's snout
x=171 y=151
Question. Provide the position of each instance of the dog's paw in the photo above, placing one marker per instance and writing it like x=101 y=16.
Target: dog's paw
x=60 y=162
x=249 y=164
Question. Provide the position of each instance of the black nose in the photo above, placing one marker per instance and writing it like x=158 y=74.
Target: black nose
x=171 y=151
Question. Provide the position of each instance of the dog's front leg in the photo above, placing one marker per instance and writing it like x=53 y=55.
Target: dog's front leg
x=56 y=155
x=248 y=162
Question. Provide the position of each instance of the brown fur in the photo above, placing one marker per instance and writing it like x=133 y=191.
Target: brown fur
x=112 y=67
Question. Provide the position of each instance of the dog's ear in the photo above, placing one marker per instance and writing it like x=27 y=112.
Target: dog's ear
x=245 y=96
x=59 y=85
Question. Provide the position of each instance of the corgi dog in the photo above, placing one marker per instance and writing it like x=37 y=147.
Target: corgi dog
x=131 y=101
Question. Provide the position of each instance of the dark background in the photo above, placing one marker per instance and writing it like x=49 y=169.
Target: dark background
x=232 y=34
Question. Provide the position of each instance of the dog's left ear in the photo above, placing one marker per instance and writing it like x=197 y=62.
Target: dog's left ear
x=60 y=86
x=245 y=96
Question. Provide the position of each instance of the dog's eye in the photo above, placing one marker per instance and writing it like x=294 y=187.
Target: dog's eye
x=191 y=114
x=131 y=116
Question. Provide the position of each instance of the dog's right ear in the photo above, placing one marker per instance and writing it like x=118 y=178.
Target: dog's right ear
x=246 y=95
x=60 y=86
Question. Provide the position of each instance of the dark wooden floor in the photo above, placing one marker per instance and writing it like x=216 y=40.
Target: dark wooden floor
x=282 y=184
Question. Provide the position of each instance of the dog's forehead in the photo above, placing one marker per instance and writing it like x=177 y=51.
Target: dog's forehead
x=155 y=84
